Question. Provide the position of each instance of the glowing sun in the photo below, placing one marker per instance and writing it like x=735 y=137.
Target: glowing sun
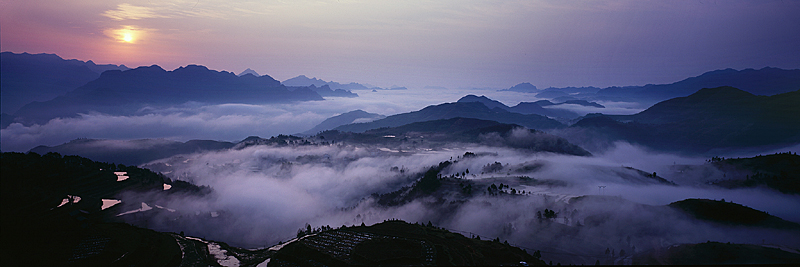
x=127 y=37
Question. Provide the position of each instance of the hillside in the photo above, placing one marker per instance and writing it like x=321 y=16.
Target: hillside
x=436 y=133
x=81 y=230
x=342 y=119
x=398 y=243
x=525 y=107
x=452 y=110
x=131 y=152
x=730 y=214
x=715 y=253
x=712 y=118
x=779 y=171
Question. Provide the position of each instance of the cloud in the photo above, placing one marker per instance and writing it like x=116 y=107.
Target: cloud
x=128 y=33
x=266 y=193
x=611 y=108
x=127 y=11
x=220 y=122
x=227 y=122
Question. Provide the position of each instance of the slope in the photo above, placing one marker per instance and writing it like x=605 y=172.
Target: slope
x=712 y=118
x=452 y=110
x=342 y=119
x=765 y=81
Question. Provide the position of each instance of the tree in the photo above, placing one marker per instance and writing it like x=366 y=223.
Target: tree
x=622 y=253
x=537 y=254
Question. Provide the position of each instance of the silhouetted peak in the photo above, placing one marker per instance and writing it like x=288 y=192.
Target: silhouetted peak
x=192 y=68
x=488 y=102
x=251 y=138
x=722 y=92
x=151 y=68
x=473 y=98
x=250 y=72
x=523 y=86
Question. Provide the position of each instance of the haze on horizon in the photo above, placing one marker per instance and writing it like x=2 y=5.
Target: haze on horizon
x=419 y=43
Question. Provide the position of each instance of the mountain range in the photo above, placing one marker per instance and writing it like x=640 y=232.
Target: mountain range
x=474 y=110
x=522 y=88
x=437 y=133
x=711 y=118
x=41 y=77
x=354 y=116
x=765 y=81
x=125 y=92
x=326 y=90
x=302 y=80
x=533 y=107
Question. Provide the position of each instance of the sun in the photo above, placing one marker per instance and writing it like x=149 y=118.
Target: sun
x=127 y=37
x=126 y=34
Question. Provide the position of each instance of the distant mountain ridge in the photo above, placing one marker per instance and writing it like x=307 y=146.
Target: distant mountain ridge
x=484 y=132
x=40 y=77
x=342 y=119
x=533 y=107
x=522 y=87
x=765 y=81
x=326 y=90
x=123 y=92
x=474 y=110
x=712 y=118
x=248 y=71
x=302 y=80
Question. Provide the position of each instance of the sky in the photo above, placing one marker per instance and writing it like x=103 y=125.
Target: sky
x=417 y=43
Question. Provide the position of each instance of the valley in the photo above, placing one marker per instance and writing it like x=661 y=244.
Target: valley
x=152 y=167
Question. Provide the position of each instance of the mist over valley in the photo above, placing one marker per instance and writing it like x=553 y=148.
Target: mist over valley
x=379 y=133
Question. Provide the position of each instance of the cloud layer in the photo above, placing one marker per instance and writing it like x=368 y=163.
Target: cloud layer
x=233 y=122
x=266 y=193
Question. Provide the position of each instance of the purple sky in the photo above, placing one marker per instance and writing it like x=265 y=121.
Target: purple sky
x=458 y=43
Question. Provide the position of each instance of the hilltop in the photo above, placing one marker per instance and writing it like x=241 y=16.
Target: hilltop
x=474 y=110
x=397 y=242
x=712 y=118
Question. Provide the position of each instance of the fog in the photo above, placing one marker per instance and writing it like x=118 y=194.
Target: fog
x=234 y=122
x=264 y=194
